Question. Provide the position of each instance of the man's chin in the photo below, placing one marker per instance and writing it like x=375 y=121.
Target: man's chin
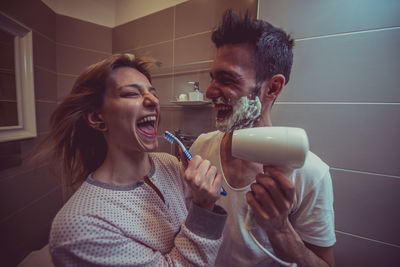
x=223 y=125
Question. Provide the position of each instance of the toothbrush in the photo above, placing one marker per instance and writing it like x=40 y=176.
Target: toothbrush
x=170 y=138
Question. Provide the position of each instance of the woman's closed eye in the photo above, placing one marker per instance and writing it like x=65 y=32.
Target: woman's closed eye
x=131 y=94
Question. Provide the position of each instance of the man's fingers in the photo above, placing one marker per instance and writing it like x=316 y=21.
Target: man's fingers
x=283 y=182
x=273 y=189
x=266 y=203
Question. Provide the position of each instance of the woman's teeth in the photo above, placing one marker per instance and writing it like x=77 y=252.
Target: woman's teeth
x=147 y=119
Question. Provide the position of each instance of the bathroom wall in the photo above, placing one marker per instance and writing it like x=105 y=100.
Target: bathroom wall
x=30 y=195
x=179 y=37
x=344 y=90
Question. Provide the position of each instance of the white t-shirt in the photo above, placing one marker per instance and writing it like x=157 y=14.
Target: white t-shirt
x=311 y=214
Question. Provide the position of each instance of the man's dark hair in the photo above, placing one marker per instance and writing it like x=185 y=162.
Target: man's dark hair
x=272 y=46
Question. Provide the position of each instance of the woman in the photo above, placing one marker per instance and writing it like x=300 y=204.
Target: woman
x=129 y=209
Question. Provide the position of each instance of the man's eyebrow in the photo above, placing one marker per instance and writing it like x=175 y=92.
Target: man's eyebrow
x=224 y=73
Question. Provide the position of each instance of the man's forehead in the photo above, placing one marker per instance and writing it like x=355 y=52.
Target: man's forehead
x=232 y=55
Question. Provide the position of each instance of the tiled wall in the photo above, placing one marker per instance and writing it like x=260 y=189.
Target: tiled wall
x=8 y=98
x=344 y=90
x=179 y=37
x=30 y=196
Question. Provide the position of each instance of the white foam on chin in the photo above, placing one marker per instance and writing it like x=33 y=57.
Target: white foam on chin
x=246 y=113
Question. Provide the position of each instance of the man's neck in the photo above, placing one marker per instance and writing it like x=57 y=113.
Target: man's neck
x=238 y=173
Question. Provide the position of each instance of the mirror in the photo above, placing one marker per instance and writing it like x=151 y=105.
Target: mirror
x=17 y=96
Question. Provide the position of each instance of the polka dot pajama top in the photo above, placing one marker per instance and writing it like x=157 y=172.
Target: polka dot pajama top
x=108 y=225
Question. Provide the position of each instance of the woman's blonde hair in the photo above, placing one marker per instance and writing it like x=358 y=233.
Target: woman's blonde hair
x=75 y=148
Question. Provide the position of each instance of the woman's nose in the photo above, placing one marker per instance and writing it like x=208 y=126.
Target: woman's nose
x=150 y=100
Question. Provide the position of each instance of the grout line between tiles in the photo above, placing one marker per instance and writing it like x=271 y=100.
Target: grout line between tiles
x=346 y=34
x=24 y=171
x=45 y=69
x=192 y=35
x=85 y=49
x=163 y=42
x=368 y=239
x=30 y=204
x=368 y=173
x=144 y=46
x=46 y=101
x=71 y=46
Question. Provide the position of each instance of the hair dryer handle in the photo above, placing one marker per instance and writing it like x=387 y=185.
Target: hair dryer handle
x=249 y=221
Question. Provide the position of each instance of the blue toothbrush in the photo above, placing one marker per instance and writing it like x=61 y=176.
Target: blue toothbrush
x=171 y=138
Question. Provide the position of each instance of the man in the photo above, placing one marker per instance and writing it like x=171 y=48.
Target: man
x=294 y=213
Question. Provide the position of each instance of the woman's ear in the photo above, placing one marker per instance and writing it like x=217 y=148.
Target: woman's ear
x=96 y=121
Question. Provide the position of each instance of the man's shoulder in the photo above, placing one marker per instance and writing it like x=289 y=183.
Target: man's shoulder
x=313 y=171
x=206 y=138
x=206 y=143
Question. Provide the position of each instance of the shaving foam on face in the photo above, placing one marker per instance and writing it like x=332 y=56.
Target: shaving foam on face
x=246 y=112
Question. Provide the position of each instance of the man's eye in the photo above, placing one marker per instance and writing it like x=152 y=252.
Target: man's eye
x=226 y=81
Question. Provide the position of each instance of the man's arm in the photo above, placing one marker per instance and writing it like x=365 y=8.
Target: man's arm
x=270 y=199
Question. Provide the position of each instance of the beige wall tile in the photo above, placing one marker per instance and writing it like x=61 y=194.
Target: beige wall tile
x=45 y=85
x=9 y=113
x=44 y=52
x=7 y=86
x=203 y=15
x=29 y=229
x=36 y=183
x=7 y=55
x=65 y=84
x=171 y=119
x=154 y=28
x=74 y=60
x=10 y=156
x=348 y=136
x=345 y=68
x=319 y=18
x=43 y=113
x=194 y=48
x=353 y=204
x=356 y=251
x=161 y=52
x=164 y=89
x=83 y=34
x=34 y=14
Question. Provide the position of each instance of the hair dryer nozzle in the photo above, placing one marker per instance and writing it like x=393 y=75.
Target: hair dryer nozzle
x=276 y=146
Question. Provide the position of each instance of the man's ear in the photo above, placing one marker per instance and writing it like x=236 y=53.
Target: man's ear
x=274 y=86
x=96 y=121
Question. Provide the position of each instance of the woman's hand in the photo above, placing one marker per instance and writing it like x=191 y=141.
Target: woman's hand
x=205 y=182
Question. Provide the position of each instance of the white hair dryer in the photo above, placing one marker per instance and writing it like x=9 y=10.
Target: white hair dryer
x=283 y=147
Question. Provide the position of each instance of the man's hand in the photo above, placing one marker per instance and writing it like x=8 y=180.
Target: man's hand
x=205 y=182
x=271 y=198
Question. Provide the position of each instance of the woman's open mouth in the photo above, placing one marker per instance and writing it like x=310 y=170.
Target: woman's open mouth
x=146 y=126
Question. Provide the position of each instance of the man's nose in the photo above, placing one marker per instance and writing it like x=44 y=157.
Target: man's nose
x=213 y=91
